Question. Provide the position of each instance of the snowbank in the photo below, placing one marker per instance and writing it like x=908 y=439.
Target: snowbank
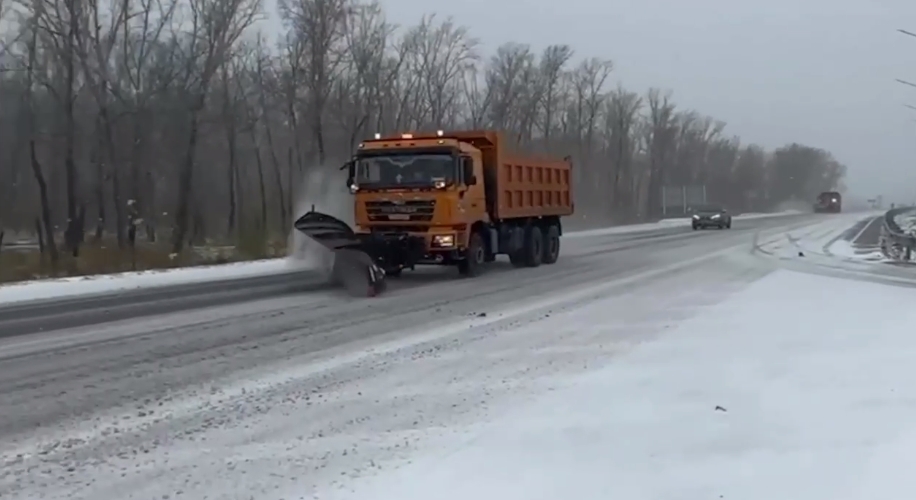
x=907 y=221
x=847 y=250
x=110 y=283
x=754 y=399
x=823 y=241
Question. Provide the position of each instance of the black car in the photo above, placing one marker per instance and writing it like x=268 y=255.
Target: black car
x=711 y=216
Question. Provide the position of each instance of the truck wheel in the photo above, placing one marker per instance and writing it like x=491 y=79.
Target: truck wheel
x=474 y=257
x=517 y=259
x=551 y=245
x=534 y=246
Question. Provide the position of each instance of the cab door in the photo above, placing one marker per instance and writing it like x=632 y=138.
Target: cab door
x=473 y=200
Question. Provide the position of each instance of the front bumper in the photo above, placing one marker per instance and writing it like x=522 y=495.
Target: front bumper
x=709 y=222
x=397 y=250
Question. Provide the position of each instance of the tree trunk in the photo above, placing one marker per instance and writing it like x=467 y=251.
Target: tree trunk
x=45 y=205
x=185 y=180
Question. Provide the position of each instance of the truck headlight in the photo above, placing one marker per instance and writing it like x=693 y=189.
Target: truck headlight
x=354 y=188
x=444 y=240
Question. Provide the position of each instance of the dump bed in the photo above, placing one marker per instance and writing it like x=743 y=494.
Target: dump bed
x=521 y=186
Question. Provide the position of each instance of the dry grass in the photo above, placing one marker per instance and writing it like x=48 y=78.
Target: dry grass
x=105 y=257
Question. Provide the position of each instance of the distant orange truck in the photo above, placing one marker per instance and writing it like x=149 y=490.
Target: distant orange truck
x=450 y=198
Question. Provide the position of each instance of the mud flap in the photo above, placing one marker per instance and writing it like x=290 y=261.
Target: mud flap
x=354 y=269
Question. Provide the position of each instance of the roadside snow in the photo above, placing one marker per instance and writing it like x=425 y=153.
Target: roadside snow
x=907 y=221
x=797 y=387
x=109 y=283
x=112 y=283
x=821 y=241
x=845 y=249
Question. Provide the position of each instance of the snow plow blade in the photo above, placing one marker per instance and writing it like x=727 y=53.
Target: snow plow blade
x=354 y=269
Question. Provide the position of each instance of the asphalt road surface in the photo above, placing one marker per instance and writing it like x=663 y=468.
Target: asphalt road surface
x=48 y=315
x=281 y=388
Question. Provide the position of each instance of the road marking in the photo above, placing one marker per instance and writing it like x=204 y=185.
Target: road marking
x=864 y=228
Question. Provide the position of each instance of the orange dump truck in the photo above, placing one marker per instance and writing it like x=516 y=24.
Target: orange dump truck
x=449 y=198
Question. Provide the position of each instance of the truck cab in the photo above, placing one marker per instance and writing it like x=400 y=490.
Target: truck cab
x=828 y=202
x=422 y=191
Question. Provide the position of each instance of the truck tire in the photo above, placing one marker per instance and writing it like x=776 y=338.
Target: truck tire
x=551 y=245
x=534 y=246
x=517 y=259
x=474 y=257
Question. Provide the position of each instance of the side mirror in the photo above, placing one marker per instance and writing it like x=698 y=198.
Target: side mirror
x=351 y=175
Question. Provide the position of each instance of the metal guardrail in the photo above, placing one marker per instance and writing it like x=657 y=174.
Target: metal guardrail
x=896 y=243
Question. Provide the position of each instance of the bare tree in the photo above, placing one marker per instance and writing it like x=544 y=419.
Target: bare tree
x=29 y=97
x=621 y=117
x=132 y=111
x=215 y=27
x=316 y=27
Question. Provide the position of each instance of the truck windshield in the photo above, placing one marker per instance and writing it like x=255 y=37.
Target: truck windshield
x=406 y=170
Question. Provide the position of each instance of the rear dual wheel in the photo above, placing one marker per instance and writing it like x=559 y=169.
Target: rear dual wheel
x=532 y=252
x=539 y=247
x=534 y=247
x=551 y=245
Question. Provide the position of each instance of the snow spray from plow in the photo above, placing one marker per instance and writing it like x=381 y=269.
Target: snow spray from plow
x=353 y=268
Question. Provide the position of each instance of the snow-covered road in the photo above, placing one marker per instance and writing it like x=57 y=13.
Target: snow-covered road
x=598 y=377
x=763 y=395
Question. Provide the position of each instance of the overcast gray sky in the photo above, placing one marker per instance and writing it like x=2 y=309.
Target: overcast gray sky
x=820 y=72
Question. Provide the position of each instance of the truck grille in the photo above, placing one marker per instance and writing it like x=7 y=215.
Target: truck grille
x=412 y=210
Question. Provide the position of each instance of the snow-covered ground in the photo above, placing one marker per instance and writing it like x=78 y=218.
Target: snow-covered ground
x=823 y=241
x=907 y=221
x=765 y=395
x=111 y=283
x=847 y=250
